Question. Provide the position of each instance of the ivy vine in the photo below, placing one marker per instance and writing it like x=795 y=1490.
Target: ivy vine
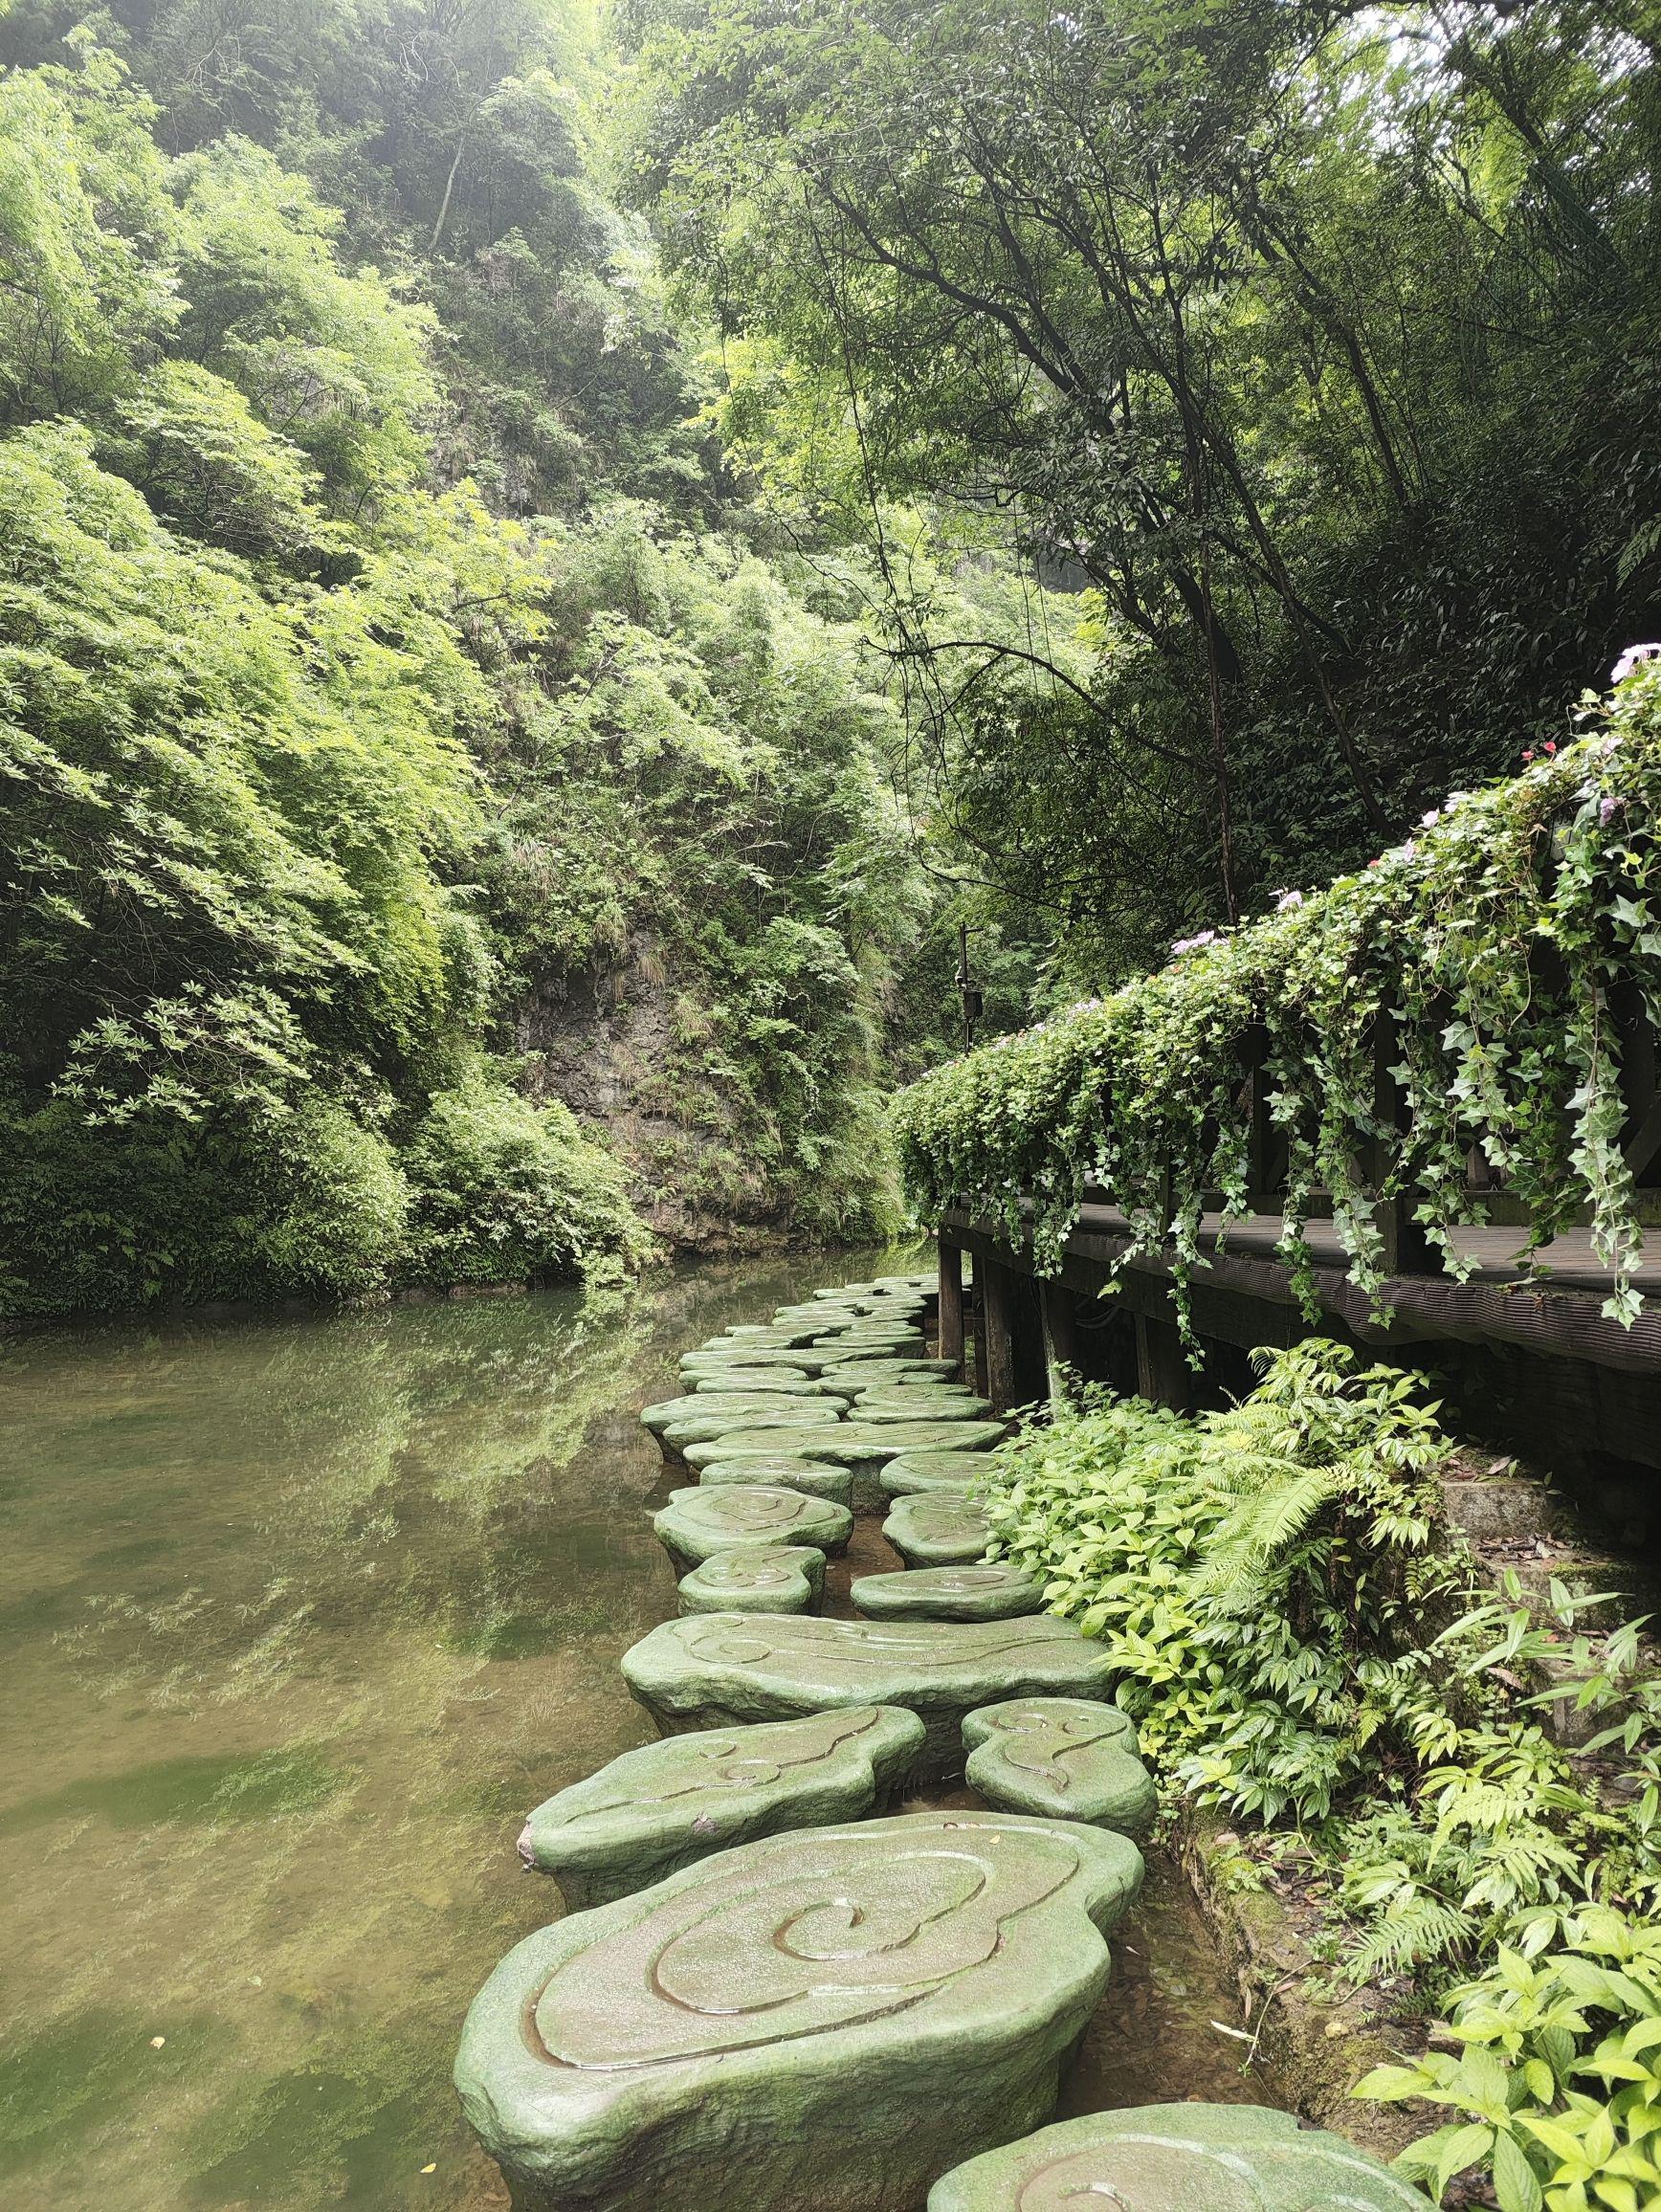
x=1491 y=950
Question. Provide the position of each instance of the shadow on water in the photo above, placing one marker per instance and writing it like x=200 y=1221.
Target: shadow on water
x=301 y=1617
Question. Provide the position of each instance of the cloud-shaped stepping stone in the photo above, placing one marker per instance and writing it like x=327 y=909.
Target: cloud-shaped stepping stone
x=657 y=1810
x=813 y=1477
x=851 y=1443
x=1066 y=1756
x=937 y=1528
x=726 y=1416
x=697 y=1523
x=927 y=1401
x=827 y=2019
x=1177 y=2159
x=756 y=1579
x=732 y=1667
x=915 y=1471
x=989 y=1592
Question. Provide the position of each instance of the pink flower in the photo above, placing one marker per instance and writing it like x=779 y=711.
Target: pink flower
x=1429 y=820
x=1548 y=748
x=1635 y=656
x=1607 y=811
x=1528 y=756
x=1288 y=901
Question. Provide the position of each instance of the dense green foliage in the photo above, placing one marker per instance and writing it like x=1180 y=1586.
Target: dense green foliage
x=1491 y=943
x=384 y=670
x=1307 y=351
x=1270 y=1580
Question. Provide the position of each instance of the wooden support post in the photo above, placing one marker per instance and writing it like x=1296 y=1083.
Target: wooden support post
x=978 y=1317
x=951 y=1308
x=1161 y=1372
x=1060 y=1337
x=1406 y=1249
x=999 y=1333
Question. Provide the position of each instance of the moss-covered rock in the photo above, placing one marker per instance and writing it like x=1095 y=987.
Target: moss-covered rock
x=1177 y=2159
x=651 y=1812
x=917 y=1470
x=823 y=2020
x=1067 y=1757
x=698 y=1523
x=990 y=1592
x=937 y=1528
x=756 y=1579
x=728 y=1667
x=812 y=1477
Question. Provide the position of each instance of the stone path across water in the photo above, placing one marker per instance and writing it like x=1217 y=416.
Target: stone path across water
x=697 y=1523
x=756 y=1579
x=1062 y=1755
x=827 y=2019
x=937 y=1528
x=988 y=1592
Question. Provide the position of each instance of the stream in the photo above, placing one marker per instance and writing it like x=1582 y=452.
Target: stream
x=300 y=1616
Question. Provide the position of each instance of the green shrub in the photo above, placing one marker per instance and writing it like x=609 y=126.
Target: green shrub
x=506 y=1191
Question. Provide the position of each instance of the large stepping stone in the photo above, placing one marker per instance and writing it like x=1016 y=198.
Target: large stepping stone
x=1177 y=2159
x=699 y=1426
x=812 y=1477
x=666 y=1412
x=938 y=1402
x=725 y=1356
x=728 y=1667
x=767 y=1382
x=651 y=1812
x=937 y=1528
x=851 y=1443
x=915 y=1471
x=1065 y=1758
x=756 y=1579
x=989 y=1592
x=698 y=1523
x=813 y=2022
x=854 y=1371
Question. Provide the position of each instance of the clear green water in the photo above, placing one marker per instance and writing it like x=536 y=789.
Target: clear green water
x=297 y=1618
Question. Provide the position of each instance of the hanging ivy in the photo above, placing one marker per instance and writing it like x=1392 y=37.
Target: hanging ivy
x=1486 y=950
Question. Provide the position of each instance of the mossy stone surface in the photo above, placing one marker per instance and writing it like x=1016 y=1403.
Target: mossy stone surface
x=1178 y=2158
x=721 y=1354
x=813 y=2022
x=663 y=1415
x=854 y=1371
x=756 y=1579
x=698 y=1523
x=728 y=1667
x=698 y=1426
x=988 y=1592
x=812 y=1477
x=850 y=1442
x=654 y=1811
x=764 y=1383
x=937 y=1528
x=1066 y=1758
x=933 y=1401
x=918 y=1470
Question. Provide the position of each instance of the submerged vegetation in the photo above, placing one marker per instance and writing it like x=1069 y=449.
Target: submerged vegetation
x=1305 y=1644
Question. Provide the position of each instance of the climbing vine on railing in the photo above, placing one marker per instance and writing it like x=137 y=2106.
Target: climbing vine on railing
x=1486 y=950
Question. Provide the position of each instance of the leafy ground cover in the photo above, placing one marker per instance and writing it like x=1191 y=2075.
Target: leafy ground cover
x=1305 y=1644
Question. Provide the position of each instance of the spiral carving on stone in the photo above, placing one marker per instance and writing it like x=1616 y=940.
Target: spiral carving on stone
x=1034 y=1741
x=1164 y=2172
x=742 y=1505
x=689 y=1766
x=816 y=1935
x=736 y=1640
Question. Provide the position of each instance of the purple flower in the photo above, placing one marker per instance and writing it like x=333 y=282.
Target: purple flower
x=1429 y=820
x=1635 y=656
x=1288 y=901
x=1607 y=811
x=1184 y=944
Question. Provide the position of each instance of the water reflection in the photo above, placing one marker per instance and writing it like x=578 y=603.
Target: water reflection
x=299 y=1616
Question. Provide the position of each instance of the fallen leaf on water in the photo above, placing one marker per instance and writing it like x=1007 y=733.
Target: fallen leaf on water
x=157 y=2041
x=433 y=2169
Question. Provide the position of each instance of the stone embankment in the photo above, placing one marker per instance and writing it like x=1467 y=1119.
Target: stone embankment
x=770 y=1991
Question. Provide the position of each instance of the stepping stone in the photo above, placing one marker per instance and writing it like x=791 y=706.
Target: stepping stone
x=756 y=1579
x=728 y=1667
x=851 y=1442
x=698 y=1427
x=936 y=1404
x=848 y=1373
x=700 y=1405
x=825 y=2019
x=1062 y=1757
x=812 y=1477
x=725 y=1356
x=988 y=1592
x=767 y=1382
x=651 y=1812
x=763 y=1337
x=935 y=1528
x=698 y=1523
x=917 y=1470
x=1177 y=2159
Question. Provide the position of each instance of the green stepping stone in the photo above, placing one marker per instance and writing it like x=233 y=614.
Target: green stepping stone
x=988 y=1592
x=915 y=1470
x=851 y=1443
x=854 y=1371
x=763 y=1337
x=937 y=1528
x=1177 y=2159
x=652 y=1812
x=729 y=1666
x=1062 y=1757
x=700 y=1404
x=933 y=1405
x=756 y=1579
x=789 y=1361
x=812 y=1477
x=765 y=1382
x=825 y=2019
x=715 y=1420
x=698 y=1523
